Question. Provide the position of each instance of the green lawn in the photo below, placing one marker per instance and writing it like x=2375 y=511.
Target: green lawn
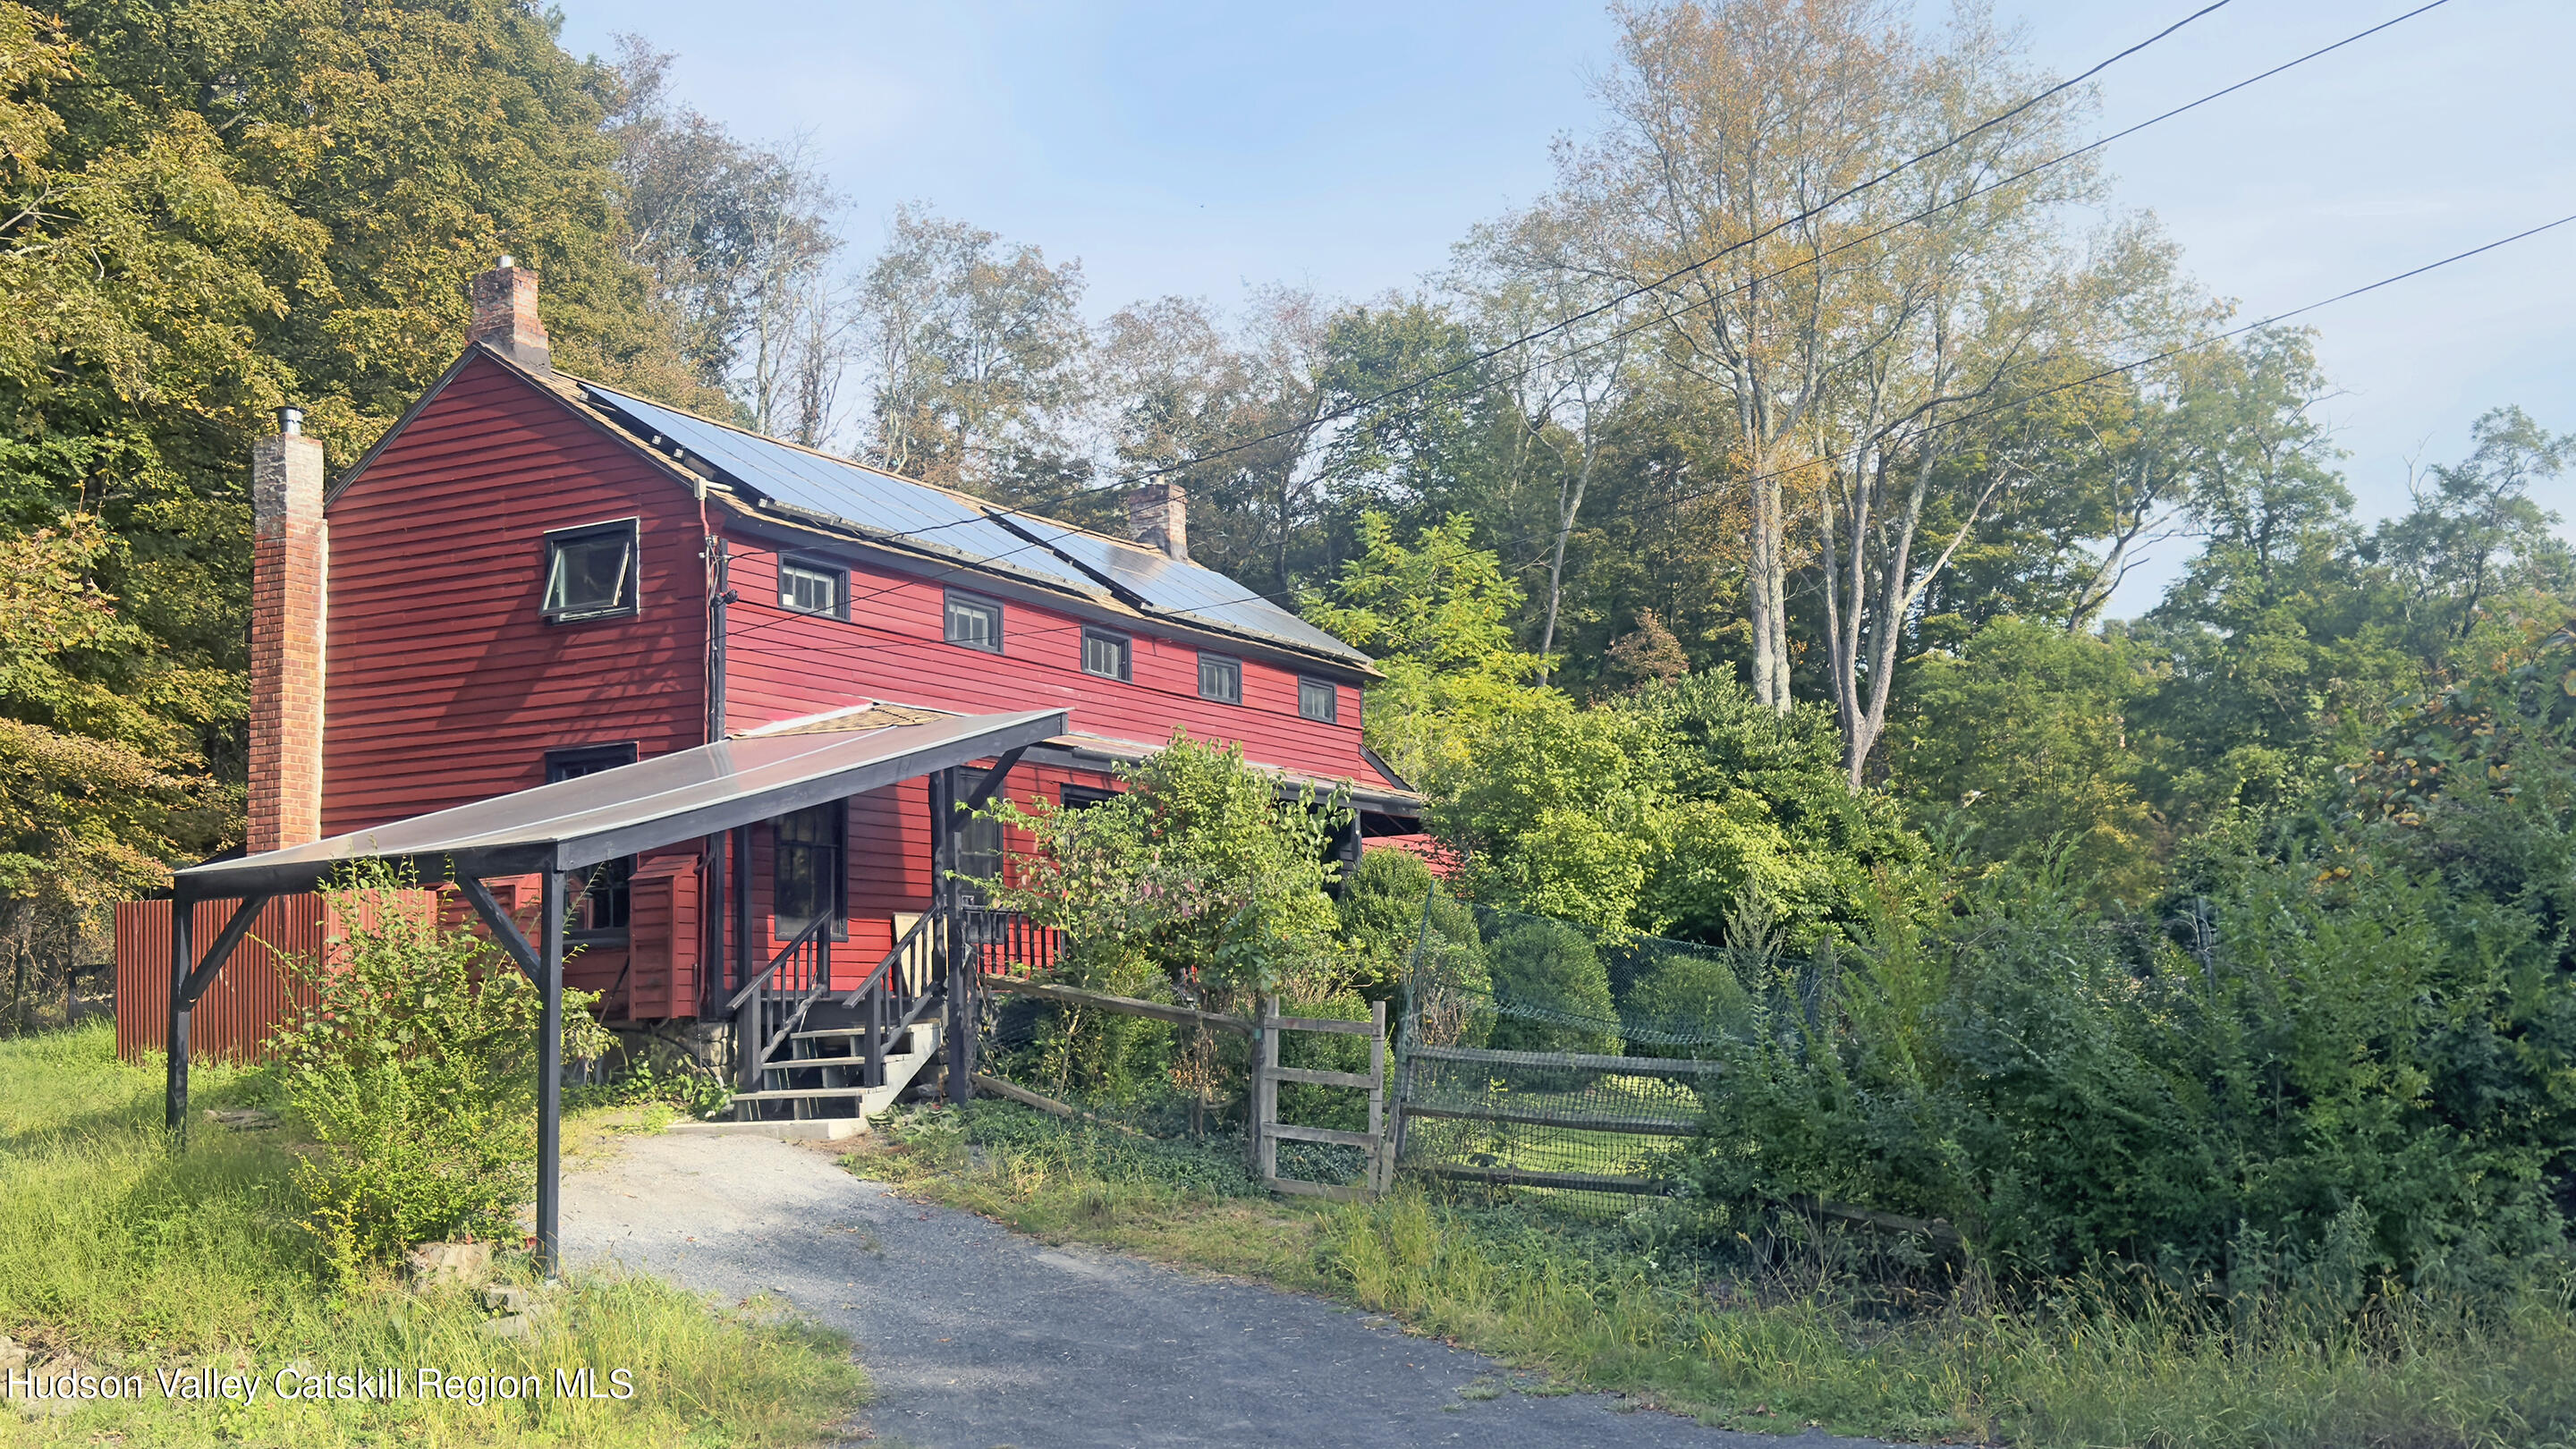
x=140 y=1261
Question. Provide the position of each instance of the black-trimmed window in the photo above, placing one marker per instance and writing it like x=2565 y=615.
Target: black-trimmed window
x=590 y=573
x=807 y=587
x=603 y=910
x=807 y=876
x=1082 y=797
x=1221 y=678
x=979 y=857
x=1111 y=656
x=1319 y=699
x=974 y=623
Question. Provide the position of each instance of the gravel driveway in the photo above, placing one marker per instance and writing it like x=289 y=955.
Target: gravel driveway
x=978 y=1338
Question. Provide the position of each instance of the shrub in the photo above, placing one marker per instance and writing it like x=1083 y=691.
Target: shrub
x=1551 y=968
x=1383 y=919
x=414 y=1070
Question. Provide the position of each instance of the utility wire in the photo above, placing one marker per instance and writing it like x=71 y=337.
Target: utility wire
x=998 y=512
x=2087 y=380
x=1488 y=354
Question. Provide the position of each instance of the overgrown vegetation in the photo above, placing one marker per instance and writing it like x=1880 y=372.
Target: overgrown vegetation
x=413 y=1070
x=1633 y=1308
x=118 y=1252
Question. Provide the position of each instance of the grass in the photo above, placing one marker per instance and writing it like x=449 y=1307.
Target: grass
x=138 y=1260
x=1622 y=1308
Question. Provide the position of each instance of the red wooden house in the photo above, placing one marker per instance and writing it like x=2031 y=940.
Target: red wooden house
x=532 y=578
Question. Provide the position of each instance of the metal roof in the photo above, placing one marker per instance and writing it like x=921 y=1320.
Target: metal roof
x=660 y=801
x=934 y=520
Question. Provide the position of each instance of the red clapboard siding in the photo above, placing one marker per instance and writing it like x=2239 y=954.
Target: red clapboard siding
x=664 y=941
x=780 y=665
x=443 y=684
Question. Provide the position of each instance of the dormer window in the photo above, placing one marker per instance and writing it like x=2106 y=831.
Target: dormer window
x=590 y=573
x=805 y=587
x=1221 y=678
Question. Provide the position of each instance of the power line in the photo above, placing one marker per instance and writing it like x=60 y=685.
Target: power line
x=2089 y=379
x=998 y=512
x=1478 y=359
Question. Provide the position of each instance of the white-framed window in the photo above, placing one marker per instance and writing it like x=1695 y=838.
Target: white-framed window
x=1111 y=656
x=1319 y=699
x=807 y=587
x=590 y=573
x=974 y=623
x=1221 y=678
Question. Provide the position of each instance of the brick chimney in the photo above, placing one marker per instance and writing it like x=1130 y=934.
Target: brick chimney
x=1158 y=516
x=505 y=315
x=290 y=564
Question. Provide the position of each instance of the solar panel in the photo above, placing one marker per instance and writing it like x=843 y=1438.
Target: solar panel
x=923 y=517
x=914 y=514
x=1176 y=586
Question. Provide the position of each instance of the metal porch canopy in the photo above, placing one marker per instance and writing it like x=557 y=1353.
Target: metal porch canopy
x=554 y=830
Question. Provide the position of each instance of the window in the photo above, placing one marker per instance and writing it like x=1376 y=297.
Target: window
x=975 y=623
x=1083 y=797
x=979 y=857
x=809 y=879
x=1221 y=678
x=590 y=573
x=812 y=588
x=602 y=909
x=1108 y=655
x=1319 y=699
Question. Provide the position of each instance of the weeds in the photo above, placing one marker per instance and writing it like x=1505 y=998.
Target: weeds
x=1623 y=1307
x=133 y=1258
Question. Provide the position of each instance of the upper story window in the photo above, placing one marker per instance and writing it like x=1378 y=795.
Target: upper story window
x=590 y=572
x=1111 y=656
x=1319 y=699
x=1221 y=678
x=602 y=912
x=805 y=587
x=975 y=623
x=1083 y=797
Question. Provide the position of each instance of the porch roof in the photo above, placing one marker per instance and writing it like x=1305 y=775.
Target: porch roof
x=669 y=798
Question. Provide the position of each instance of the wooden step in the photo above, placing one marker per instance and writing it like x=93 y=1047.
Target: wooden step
x=900 y=1069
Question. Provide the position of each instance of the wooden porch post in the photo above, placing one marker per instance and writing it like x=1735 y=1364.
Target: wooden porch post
x=550 y=1074
x=746 y=1017
x=183 y=956
x=960 y=1043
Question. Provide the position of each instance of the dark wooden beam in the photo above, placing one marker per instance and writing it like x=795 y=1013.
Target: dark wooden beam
x=550 y=1078
x=221 y=951
x=993 y=779
x=505 y=932
x=183 y=913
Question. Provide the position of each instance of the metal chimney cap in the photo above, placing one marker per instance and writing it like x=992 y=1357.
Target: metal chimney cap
x=290 y=421
x=507 y=262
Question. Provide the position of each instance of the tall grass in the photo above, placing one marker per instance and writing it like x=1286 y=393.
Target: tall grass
x=134 y=1258
x=2099 y=1363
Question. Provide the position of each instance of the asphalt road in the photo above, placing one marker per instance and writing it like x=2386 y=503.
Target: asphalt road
x=977 y=1338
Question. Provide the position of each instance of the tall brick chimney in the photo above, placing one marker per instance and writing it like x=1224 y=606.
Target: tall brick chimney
x=1158 y=516
x=290 y=565
x=505 y=315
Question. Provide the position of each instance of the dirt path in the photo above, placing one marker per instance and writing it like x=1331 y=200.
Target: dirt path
x=977 y=1338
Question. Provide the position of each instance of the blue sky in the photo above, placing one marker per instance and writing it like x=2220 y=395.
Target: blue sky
x=1198 y=148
